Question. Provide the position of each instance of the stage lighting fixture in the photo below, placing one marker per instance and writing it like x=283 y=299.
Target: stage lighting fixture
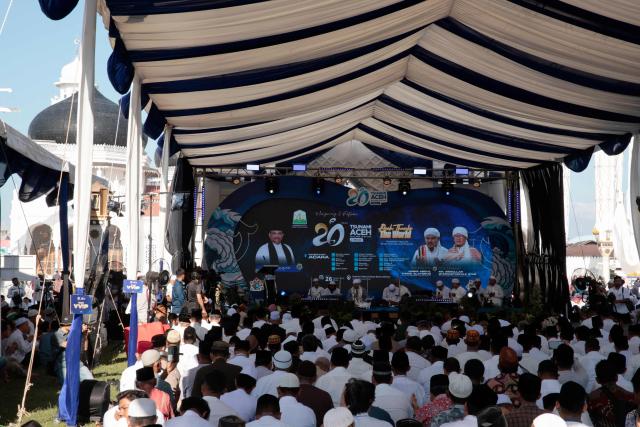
x=386 y=181
x=236 y=180
x=470 y=295
x=404 y=186
x=318 y=185
x=338 y=179
x=447 y=187
x=252 y=167
x=283 y=293
x=299 y=167
x=419 y=171
x=271 y=185
x=462 y=171
x=477 y=183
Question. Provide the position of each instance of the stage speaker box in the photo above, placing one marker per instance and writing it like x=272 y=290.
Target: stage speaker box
x=94 y=401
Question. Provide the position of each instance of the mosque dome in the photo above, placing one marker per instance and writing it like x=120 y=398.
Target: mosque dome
x=51 y=123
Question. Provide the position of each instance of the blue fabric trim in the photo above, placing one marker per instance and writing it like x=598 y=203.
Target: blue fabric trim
x=399 y=159
x=541 y=65
x=159 y=7
x=133 y=331
x=508 y=120
x=57 y=9
x=126 y=98
x=613 y=148
x=69 y=397
x=154 y=125
x=288 y=95
x=119 y=68
x=472 y=132
x=579 y=161
x=251 y=44
x=426 y=152
x=516 y=93
x=583 y=18
x=263 y=75
x=456 y=146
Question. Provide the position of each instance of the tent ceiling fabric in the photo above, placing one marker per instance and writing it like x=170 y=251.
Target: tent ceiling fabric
x=496 y=84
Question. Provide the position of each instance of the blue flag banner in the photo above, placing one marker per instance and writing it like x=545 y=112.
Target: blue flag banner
x=68 y=399
x=132 y=286
x=81 y=304
x=133 y=330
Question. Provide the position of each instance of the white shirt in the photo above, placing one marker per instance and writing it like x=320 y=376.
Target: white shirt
x=315 y=292
x=262 y=255
x=410 y=388
x=622 y=293
x=201 y=331
x=454 y=349
x=467 y=421
x=497 y=292
x=417 y=364
x=218 y=409
x=547 y=387
x=189 y=419
x=333 y=383
x=364 y=420
x=329 y=343
x=424 y=378
x=465 y=356
x=443 y=292
x=396 y=294
x=241 y=360
x=456 y=294
x=109 y=418
x=588 y=363
x=295 y=413
x=328 y=292
x=188 y=358
x=491 y=367
x=624 y=383
x=268 y=421
x=268 y=384
x=360 y=369
x=531 y=360
x=128 y=377
x=393 y=401
x=312 y=356
x=23 y=346
x=186 y=381
x=241 y=402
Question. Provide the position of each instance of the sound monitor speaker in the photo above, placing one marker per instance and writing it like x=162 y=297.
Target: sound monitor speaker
x=94 y=401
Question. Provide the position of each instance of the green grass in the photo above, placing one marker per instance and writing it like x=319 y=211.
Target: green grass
x=42 y=399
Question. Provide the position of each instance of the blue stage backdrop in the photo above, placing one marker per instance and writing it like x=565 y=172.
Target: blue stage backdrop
x=343 y=233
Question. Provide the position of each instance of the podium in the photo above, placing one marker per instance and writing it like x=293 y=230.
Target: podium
x=270 y=287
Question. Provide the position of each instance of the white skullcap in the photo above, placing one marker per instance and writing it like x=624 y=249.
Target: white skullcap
x=288 y=380
x=503 y=399
x=338 y=417
x=282 y=359
x=357 y=281
x=287 y=317
x=349 y=336
x=503 y=322
x=142 y=408
x=455 y=281
x=173 y=277
x=460 y=230
x=20 y=321
x=548 y=420
x=392 y=287
x=464 y=318
x=439 y=283
x=274 y=315
x=231 y=311
x=431 y=232
x=478 y=328
x=149 y=357
x=460 y=385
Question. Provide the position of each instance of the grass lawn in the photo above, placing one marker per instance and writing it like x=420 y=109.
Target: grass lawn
x=42 y=399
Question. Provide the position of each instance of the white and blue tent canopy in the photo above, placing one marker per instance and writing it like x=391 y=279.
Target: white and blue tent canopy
x=494 y=84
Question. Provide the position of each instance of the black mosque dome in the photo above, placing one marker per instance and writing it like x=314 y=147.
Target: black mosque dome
x=51 y=123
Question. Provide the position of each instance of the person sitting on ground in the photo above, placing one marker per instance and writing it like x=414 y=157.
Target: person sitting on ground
x=292 y=411
x=241 y=400
x=607 y=403
x=439 y=400
x=267 y=412
x=460 y=388
x=333 y=381
x=309 y=395
x=528 y=392
x=400 y=366
x=507 y=381
x=474 y=369
x=572 y=404
x=142 y=413
x=212 y=388
x=146 y=381
x=480 y=398
x=392 y=400
x=359 y=396
x=194 y=412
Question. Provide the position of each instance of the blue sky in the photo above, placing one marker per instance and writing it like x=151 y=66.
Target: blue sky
x=34 y=49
